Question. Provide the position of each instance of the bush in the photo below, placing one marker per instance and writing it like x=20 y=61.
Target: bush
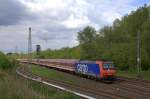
x=145 y=67
x=4 y=62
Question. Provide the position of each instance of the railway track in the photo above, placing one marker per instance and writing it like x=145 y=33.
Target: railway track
x=146 y=83
x=125 y=88
x=133 y=89
x=87 y=90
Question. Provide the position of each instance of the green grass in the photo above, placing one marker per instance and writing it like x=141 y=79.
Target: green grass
x=13 y=86
x=50 y=74
x=134 y=74
x=52 y=93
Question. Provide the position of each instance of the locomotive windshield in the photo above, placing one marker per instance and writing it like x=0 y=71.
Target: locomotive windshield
x=108 y=66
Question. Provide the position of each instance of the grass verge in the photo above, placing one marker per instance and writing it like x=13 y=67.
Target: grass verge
x=13 y=86
x=56 y=75
x=134 y=74
x=52 y=74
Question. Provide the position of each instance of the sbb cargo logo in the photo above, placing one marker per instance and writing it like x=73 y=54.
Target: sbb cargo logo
x=82 y=68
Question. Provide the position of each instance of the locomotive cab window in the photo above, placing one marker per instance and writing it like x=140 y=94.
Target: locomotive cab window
x=108 y=66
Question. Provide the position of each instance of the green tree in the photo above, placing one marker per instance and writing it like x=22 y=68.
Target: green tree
x=87 y=39
x=4 y=62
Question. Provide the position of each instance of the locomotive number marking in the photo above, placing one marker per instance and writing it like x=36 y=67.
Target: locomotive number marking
x=82 y=68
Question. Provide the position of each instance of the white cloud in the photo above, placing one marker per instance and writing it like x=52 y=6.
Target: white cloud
x=51 y=8
x=110 y=16
x=58 y=21
x=73 y=22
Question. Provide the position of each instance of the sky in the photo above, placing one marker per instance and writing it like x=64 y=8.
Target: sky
x=55 y=23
